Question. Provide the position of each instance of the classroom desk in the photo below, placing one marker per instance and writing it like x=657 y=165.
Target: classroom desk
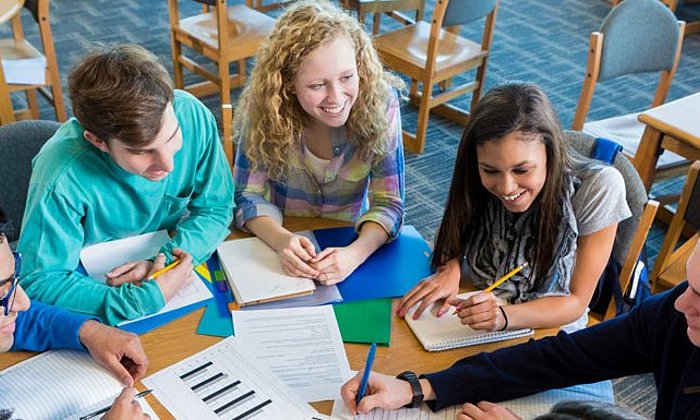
x=178 y=340
x=674 y=126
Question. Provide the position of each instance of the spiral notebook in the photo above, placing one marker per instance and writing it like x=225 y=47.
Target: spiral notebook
x=447 y=332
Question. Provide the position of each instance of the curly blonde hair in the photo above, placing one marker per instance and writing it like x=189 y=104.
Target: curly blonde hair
x=269 y=114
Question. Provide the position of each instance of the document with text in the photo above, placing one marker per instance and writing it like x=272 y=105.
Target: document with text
x=302 y=346
x=225 y=381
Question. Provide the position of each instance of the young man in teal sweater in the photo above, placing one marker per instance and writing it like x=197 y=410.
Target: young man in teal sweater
x=139 y=157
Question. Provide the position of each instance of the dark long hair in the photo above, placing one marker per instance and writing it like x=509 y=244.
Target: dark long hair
x=509 y=108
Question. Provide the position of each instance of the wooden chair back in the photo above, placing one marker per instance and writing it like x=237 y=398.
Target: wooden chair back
x=597 y=60
x=223 y=35
x=669 y=267
x=51 y=89
x=434 y=54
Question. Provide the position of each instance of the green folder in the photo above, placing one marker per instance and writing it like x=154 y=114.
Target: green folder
x=365 y=321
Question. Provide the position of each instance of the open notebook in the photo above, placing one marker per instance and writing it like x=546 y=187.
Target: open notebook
x=447 y=332
x=255 y=273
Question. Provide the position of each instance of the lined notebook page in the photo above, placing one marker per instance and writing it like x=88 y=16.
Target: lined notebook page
x=56 y=385
x=447 y=332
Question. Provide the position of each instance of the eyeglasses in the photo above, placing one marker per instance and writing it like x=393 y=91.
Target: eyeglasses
x=9 y=299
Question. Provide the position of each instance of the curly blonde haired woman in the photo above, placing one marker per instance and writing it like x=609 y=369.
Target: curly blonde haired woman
x=319 y=134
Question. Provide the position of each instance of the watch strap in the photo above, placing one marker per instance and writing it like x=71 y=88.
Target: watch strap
x=412 y=379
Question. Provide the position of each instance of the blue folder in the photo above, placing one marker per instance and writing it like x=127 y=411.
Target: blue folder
x=390 y=272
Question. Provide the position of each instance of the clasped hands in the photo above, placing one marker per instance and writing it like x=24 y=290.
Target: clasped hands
x=479 y=311
x=330 y=266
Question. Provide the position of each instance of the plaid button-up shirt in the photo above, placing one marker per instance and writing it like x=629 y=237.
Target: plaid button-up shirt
x=354 y=189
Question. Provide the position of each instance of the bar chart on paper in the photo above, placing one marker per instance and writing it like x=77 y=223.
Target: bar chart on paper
x=224 y=382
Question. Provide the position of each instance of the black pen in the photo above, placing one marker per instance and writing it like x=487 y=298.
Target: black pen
x=106 y=409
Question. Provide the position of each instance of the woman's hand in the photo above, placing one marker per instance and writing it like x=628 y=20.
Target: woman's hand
x=296 y=253
x=442 y=285
x=335 y=264
x=480 y=311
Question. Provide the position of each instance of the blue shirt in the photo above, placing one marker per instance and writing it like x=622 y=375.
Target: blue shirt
x=43 y=327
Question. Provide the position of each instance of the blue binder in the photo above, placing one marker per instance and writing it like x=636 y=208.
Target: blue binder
x=390 y=272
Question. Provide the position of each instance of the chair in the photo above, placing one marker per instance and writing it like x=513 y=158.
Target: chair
x=19 y=46
x=690 y=28
x=637 y=36
x=223 y=35
x=631 y=232
x=20 y=142
x=669 y=267
x=390 y=7
x=433 y=53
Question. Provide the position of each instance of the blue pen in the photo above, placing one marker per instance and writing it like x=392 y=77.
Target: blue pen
x=365 y=374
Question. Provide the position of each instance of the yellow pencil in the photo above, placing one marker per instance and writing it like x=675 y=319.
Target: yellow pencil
x=498 y=282
x=510 y=274
x=163 y=270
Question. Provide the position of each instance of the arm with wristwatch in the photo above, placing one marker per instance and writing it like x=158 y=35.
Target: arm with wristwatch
x=404 y=390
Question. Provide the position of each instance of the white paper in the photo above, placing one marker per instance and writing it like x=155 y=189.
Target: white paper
x=302 y=346
x=59 y=384
x=255 y=272
x=22 y=63
x=220 y=367
x=99 y=259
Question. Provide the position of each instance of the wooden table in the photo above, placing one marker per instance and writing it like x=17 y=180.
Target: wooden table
x=674 y=126
x=178 y=340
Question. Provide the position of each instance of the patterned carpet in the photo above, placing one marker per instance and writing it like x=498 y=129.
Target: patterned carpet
x=541 y=41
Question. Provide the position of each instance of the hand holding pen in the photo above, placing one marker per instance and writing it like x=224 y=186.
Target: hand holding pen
x=125 y=407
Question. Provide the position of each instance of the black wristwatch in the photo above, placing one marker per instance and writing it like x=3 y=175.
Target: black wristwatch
x=412 y=379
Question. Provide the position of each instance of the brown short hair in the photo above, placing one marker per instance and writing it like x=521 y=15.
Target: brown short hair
x=120 y=92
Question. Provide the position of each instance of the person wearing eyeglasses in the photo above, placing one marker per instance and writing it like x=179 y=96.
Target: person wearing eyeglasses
x=34 y=326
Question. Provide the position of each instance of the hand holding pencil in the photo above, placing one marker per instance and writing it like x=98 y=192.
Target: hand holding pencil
x=175 y=276
x=482 y=311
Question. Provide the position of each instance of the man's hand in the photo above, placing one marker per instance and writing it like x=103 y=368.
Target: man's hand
x=383 y=391
x=135 y=271
x=335 y=264
x=177 y=278
x=125 y=407
x=119 y=351
x=486 y=411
